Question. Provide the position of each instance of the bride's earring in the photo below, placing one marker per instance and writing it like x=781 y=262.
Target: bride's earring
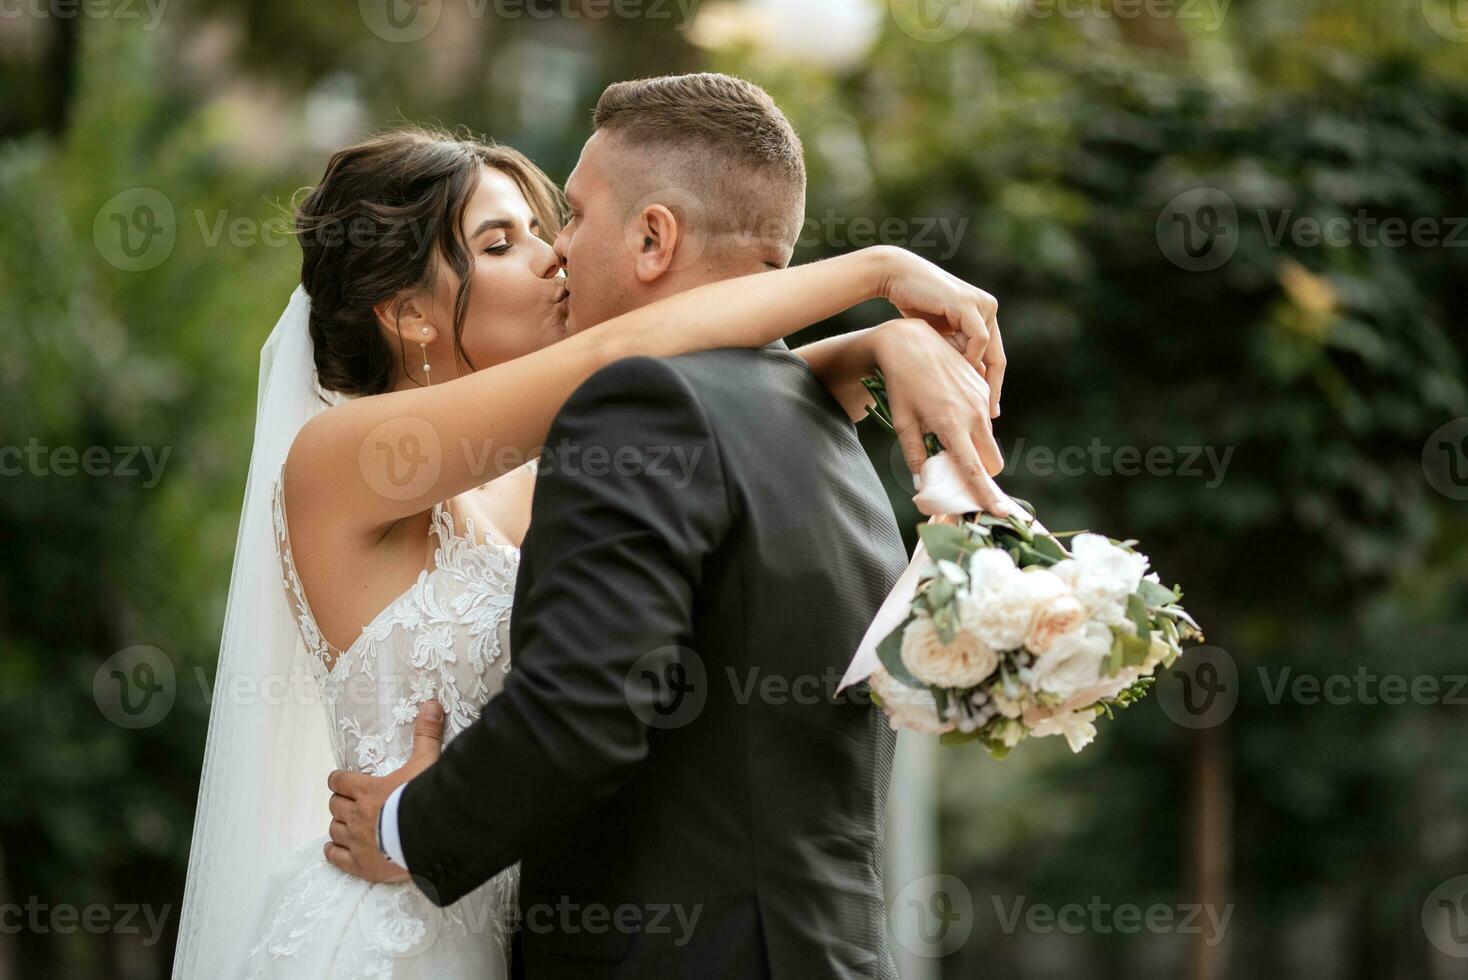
x=427 y=368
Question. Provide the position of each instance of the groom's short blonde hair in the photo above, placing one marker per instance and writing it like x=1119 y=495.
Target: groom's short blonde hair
x=719 y=139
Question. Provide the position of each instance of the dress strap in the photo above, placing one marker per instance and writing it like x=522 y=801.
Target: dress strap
x=441 y=525
x=316 y=643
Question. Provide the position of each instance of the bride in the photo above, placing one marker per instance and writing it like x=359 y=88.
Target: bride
x=403 y=395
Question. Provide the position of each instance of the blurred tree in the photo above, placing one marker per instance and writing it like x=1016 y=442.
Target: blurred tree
x=1313 y=371
x=151 y=372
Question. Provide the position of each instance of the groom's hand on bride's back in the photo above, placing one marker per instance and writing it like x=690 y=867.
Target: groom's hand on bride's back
x=357 y=798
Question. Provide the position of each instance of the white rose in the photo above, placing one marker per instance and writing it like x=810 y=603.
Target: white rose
x=965 y=662
x=1102 y=576
x=1002 y=618
x=989 y=570
x=1074 y=662
x=913 y=708
x=1097 y=551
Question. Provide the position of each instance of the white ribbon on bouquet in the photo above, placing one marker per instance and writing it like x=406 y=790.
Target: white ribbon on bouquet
x=941 y=495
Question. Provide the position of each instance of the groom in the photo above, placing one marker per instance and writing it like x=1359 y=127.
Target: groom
x=668 y=760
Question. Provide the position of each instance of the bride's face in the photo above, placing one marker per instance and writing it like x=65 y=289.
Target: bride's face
x=516 y=292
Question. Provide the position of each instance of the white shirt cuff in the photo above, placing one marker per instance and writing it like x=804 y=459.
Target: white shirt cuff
x=387 y=829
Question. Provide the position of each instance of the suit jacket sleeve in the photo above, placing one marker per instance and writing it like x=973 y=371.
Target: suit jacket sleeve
x=629 y=502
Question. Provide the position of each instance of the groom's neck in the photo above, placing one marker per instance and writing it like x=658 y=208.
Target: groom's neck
x=685 y=279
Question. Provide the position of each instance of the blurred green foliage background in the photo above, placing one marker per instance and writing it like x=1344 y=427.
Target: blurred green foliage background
x=1055 y=153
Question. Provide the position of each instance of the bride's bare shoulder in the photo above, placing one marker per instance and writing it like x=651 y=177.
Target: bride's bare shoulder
x=322 y=467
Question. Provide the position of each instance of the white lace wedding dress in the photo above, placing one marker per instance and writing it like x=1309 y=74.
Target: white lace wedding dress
x=447 y=637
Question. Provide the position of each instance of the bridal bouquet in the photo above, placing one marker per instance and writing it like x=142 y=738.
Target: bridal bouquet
x=998 y=631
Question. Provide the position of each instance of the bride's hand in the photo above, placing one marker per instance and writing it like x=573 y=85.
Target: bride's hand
x=920 y=289
x=933 y=388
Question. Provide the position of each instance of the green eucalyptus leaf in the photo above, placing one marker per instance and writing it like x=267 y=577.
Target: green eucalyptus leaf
x=1046 y=545
x=1134 y=650
x=1155 y=595
x=939 y=594
x=1136 y=611
x=1178 y=612
x=1114 y=657
x=952 y=572
x=1028 y=554
x=889 y=652
x=944 y=542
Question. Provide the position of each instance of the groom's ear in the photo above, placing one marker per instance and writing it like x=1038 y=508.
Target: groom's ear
x=656 y=235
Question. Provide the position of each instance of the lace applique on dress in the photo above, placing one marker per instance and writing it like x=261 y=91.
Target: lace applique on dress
x=445 y=637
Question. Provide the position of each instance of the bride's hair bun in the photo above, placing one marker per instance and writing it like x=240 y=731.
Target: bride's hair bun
x=370 y=231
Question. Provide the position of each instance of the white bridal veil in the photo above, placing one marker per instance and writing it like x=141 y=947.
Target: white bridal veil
x=263 y=788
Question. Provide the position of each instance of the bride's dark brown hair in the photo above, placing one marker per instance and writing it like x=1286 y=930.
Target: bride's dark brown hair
x=369 y=233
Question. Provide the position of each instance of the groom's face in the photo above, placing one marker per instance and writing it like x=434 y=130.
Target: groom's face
x=593 y=246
